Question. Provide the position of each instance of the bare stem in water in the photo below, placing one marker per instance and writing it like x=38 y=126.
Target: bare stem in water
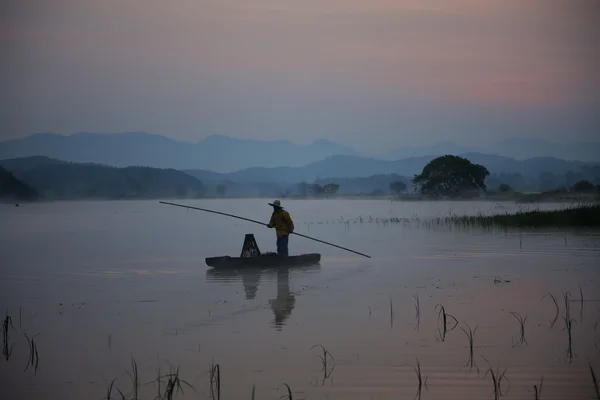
x=538 y=391
x=568 y=325
x=417 y=310
x=595 y=382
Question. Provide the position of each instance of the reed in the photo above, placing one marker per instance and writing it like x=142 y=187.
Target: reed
x=551 y=296
x=538 y=391
x=289 y=392
x=421 y=382
x=109 y=389
x=417 y=310
x=470 y=335
x=568 y=325
x=6 y=346
x=581 y=304
x=595 y=382
x=522 y=340
x=215 y=381
x=253 y=392
x=135 y=380
x=33 y=359
x=391 y=313
x=443 y=318
x=323 y=358
x=497 y=378
x=174 y=385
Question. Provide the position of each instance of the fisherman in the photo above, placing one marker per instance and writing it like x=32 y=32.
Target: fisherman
x=284 y=226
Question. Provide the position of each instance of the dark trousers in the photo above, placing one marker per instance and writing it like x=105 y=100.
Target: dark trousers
x=282 y=246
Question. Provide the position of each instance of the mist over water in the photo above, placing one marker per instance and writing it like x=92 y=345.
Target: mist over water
x=101 y=282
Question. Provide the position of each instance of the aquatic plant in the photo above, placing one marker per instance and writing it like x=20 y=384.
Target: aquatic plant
x=557 y=308
x=215 y=381
x=595 y=382
x=391 y=314
x=421 y=382
x=289 y=392
x=323 y=358
x=522 y=321
x=443 y=318
x=470 y=335
x=581 y=302
x=538 y=391
x=173 y=385
x=568 y=325
x=33 y=359
x=6 y=346
x=417 y=310
x=497 y=378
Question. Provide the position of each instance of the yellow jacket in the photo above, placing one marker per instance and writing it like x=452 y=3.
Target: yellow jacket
x=282 y=222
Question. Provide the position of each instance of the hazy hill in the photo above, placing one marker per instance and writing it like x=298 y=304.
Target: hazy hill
x=215 y=153
x=61 y=180
x=354 y=166
x=12 y=189
x=517 y=148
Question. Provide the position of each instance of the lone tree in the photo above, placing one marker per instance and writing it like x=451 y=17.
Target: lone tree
x=397 y=187
x=450 y=176
x=583 y=187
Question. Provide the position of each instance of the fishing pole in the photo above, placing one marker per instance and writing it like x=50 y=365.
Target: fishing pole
x=261 y=223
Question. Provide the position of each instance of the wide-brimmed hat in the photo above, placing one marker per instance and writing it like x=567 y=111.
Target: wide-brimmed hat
x=276 y=203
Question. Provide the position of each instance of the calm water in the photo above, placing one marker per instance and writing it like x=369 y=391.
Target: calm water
x=102 y=282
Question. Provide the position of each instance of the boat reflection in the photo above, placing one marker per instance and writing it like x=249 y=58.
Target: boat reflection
x=285 y=300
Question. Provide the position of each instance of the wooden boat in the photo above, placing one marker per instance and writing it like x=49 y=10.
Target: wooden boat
x=251 y=257
x=268 y=260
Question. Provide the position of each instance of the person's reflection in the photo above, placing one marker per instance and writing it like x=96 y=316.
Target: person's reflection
x=251 y=278
x=283 y=305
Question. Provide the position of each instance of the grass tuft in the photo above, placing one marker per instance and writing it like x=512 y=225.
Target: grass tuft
x=470 y=335
x=497 y=378
x=522 y=341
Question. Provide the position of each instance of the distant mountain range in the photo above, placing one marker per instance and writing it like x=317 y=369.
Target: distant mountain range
x=357 y=167
x=223 y=154
x=57 y=179
x=215 y=153
x=517 y=148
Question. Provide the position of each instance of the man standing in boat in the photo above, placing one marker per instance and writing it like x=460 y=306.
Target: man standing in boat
x=284 y=226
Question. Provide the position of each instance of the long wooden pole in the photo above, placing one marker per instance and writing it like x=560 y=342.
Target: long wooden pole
x=262 y=223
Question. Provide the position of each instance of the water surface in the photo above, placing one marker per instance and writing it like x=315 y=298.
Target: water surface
x=102 y=282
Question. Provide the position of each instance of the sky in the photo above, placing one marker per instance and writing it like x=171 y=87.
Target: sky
x=370 y=74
